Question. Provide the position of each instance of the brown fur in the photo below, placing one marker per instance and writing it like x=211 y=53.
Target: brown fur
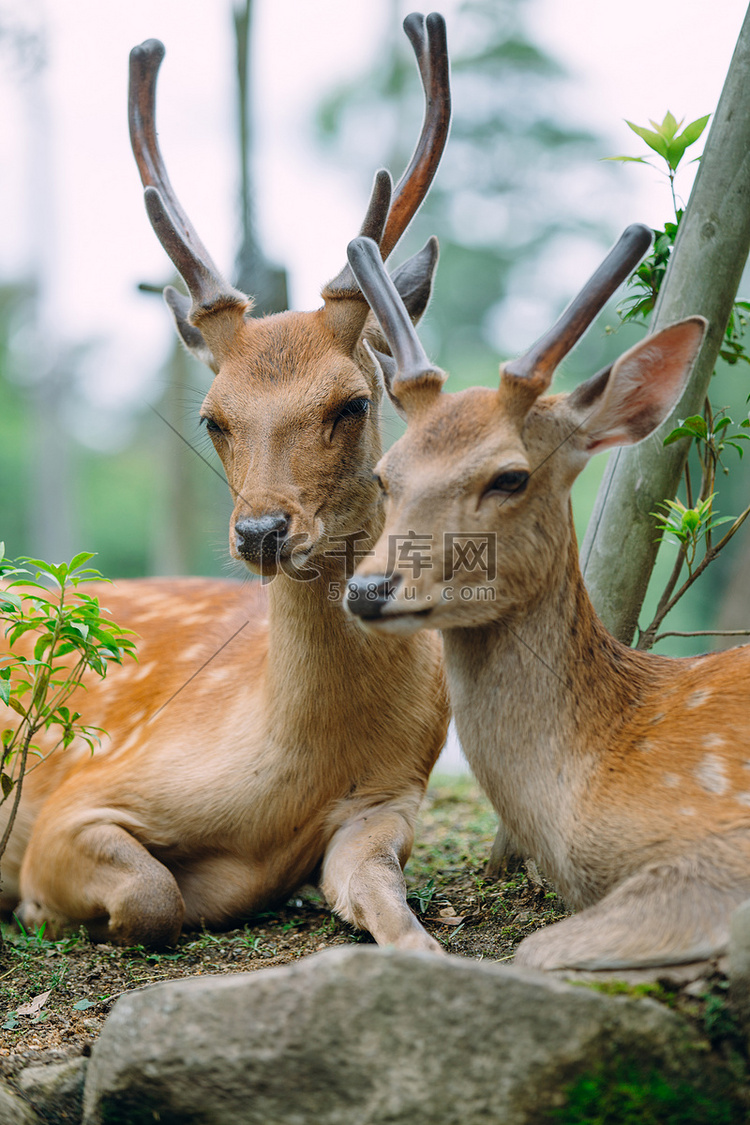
x=625 y=775
x=247 y=782
x=302 y=748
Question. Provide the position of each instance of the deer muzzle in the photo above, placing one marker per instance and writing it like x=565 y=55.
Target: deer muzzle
x=260 y=540
x=367 y=595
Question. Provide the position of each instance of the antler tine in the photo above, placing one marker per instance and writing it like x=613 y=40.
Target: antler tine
x=385 y=301
x=387 y=218
x=429 y=42
x=172 y=226
x=537 y=366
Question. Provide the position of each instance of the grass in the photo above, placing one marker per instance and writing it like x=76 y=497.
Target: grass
x=470 y=914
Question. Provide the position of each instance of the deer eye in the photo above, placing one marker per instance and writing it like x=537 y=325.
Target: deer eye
x=380 y=483
x=213 y=427
x=513 y=480
x=354 y=408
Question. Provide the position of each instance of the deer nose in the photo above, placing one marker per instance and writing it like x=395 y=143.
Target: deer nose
x=367 y=595
x=259 y=540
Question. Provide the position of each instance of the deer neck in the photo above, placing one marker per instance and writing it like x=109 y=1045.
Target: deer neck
x=536 y=698
x=321 y=663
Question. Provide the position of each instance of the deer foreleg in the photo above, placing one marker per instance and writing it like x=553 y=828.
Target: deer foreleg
x=504 y=856
x=103 y=878
x=363 y=881
x=668 y=914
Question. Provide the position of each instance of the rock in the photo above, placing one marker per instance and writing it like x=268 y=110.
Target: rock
x=14 y=1110
x=368 y=1035
x=739 y=963
x=55 y=1090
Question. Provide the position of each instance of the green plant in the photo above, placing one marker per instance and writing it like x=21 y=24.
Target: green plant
x=70 y=633
x=629 y=1092
x=690 y=524
x=422 y=896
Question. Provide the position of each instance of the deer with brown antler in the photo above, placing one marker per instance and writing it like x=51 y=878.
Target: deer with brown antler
x=264 y=740
x=625 y=775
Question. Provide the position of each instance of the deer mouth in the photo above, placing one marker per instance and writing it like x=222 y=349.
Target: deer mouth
x=397 y=623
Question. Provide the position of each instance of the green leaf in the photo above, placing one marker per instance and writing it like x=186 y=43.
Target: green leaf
x=81 y=558
x=42 y=645
x=83 y=1005
x=668 y=127
x=692 y=131
x=77 y=627
x=677 y=434
x=675 y=153
x=6 y=785
x=5 y=686
x=690 y=520
x=629 y=159
x=653 y=140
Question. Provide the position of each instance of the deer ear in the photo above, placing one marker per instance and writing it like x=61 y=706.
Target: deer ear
x=413 y=280
x=192 y=337
x=625 y=403
x=386 y=369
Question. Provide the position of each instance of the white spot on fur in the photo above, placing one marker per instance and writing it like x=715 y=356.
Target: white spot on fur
x=743 y=798
x=671 y=780
x=688 y=812
x=714 y=742
x=698 y=698
x=144 y=671
x=710 y=773
x=657 y=718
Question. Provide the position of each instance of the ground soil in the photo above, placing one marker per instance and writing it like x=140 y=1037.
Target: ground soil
x=55 y=996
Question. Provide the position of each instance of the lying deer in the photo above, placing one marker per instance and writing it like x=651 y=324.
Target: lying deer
x=263 y=740
x=625 y=775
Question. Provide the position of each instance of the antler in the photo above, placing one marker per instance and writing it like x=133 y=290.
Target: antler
x=174 y=230
x=431 y=50
x=536 y=368
x=385 y=301
x=387 y=218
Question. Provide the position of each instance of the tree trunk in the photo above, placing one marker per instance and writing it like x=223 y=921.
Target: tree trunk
x=703 y=276
x=255 y=275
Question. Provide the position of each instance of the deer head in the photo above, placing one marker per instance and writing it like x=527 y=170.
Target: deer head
x=292 y=410
x=478 y=521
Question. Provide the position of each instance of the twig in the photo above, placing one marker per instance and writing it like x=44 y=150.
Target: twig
x=706 y=633
x=708 y=558
x=17 y=794
x=647 y=638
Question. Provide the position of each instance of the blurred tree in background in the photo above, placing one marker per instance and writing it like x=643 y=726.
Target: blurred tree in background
x=523 y=207
x=524 y=210
x=520 y=189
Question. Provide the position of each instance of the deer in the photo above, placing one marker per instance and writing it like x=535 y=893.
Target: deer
x=624 y=774
x=263 y=741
